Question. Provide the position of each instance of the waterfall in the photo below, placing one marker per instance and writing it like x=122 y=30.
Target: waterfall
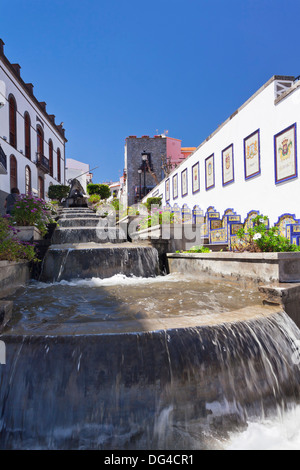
x=99 y=261
x=115 y=375
x=182 y=388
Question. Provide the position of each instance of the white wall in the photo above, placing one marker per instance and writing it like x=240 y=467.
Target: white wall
x=26 y=103
x=260 y=192
x=78 y=170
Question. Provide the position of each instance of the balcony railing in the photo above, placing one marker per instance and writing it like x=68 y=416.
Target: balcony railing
x=42 y=162
x=3 y=162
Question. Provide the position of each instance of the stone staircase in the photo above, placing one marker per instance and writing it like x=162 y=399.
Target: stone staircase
x=81 y=225
x=83 y=246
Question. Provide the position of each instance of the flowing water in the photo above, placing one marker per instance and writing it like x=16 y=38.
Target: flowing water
x=106 y=354
x=167 y=362
x=112 y=304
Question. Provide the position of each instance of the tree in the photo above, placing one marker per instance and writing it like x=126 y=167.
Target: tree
x=58 y=191
x=167 y=165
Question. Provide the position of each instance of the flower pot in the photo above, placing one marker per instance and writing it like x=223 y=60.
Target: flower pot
x=28 y=233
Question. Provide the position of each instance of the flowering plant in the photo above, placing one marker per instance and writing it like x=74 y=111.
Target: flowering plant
x=260 y=238
x=31 y=210
x=11 y=248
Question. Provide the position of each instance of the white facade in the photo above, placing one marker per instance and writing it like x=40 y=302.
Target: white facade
x=115 y=190
x=78 y=170
x=40 y=168
x=272 y=109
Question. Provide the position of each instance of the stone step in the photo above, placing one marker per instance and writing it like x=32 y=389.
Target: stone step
x=76 y=209
x=66 y=262
x=76 y=214
x=88 y=234
x=79 y=222
x=81 y=211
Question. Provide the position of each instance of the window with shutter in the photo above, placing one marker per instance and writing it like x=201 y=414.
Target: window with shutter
x=58 y=166
x=27 y=136
x=12 y=121
x=51 y=157
x=40 y=142
x=13 y=172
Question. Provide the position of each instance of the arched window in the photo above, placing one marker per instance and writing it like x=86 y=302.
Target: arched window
x=27 y=180
x=51 y=157
x=41 y=187
x=12 y=121
x=13 y=172
x=27 y=135
x=40 y=141
x=58 y=166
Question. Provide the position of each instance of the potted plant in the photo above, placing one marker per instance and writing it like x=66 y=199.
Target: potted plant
x=11 y=247
x=31 y=215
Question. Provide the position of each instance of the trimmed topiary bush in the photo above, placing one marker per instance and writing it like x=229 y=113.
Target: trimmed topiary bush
x=58 y=191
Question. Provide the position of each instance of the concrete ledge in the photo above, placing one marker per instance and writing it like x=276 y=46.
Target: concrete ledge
x=286 y=296
x=261 y=267
x=13 y=275
x=29 y=233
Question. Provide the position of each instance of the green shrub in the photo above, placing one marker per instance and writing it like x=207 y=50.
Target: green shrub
x=58 y=191
x=94 y=198
x=152 y=201
x=196 y=249
x=156 y=217
x=116 y=204
x=101 y=189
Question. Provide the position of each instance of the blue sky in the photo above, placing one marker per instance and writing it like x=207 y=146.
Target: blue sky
x=113 y=68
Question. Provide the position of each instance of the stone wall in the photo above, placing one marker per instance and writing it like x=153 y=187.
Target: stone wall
x=13 y=274
x=134 y=148
x=259 y=267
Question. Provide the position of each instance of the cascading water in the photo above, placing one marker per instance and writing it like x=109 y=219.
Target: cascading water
x=122 y=362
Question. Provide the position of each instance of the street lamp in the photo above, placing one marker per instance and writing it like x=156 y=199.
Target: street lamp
x=145 y=159
x=140 y=181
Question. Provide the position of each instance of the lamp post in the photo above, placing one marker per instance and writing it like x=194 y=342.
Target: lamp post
x=144 y=158
x=140 y=182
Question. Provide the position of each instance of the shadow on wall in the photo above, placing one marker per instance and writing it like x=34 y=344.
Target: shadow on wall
x=3 y=196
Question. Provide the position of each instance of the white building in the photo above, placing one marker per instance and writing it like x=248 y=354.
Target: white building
x=32 y=146
x=115 y=190
x=78 y=170
x=250 y=162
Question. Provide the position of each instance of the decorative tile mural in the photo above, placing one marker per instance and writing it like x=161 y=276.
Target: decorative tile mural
x=175 y=186
x=167 y=189
x=252 y=155
x=210 y=172
x=195 y=178
x=285 y=148
x=227 y=165
x=184 y=183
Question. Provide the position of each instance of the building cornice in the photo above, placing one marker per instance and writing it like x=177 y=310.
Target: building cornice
x=28 y=88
